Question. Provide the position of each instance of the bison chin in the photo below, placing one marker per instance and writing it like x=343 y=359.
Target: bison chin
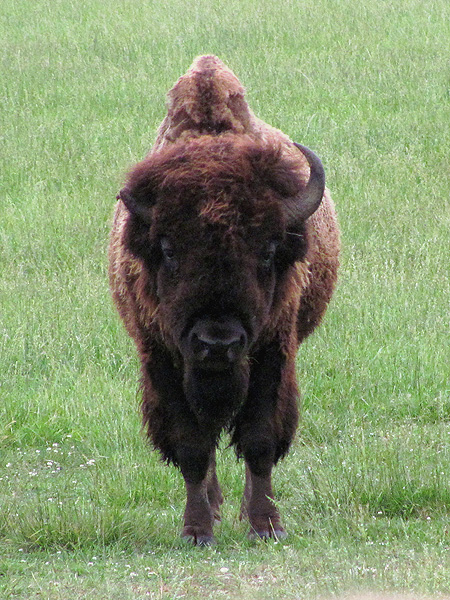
x=215 y=396
x=216 y=369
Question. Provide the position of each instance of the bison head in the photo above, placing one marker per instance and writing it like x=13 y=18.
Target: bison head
x=218 y=222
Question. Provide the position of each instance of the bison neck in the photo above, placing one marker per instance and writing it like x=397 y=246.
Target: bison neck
x=216 y=396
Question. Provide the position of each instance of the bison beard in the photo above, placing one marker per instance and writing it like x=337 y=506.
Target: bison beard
x=215 y=397
x=223 y=258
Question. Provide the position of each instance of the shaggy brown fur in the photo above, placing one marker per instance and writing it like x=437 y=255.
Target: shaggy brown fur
x=218 y=278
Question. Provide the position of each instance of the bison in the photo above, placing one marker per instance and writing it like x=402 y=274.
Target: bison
x=223 y=258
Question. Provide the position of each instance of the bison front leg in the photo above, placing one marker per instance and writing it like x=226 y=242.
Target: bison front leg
x=258 y=502
x=173 y=430
x=264 y=431
x=198 y=515
x=215 y=496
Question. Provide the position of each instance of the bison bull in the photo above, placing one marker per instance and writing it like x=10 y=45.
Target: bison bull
x=223 y=258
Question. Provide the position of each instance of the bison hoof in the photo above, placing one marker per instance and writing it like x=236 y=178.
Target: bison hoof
x=197 y=538
x=277 y=533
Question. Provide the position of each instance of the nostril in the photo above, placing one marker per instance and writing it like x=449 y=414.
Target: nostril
x=199 y=345
x=203 y=353
x=233 y=352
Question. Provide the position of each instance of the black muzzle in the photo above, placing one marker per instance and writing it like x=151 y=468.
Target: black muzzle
x=217 y=344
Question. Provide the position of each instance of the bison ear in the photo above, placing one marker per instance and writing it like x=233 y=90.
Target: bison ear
x=139 y=202
x=308 y=200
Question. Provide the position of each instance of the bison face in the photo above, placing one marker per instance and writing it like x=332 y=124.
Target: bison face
x=215 y=288
x=218 y=222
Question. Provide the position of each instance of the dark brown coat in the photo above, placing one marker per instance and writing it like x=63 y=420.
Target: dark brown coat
x=223 y=258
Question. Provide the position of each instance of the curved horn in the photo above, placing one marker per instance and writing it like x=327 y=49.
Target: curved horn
x=311 y=197
x=134 y=206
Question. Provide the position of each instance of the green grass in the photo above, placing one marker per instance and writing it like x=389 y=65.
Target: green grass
x=85 y=508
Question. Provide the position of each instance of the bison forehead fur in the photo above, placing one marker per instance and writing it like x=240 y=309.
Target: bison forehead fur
x=223 y=258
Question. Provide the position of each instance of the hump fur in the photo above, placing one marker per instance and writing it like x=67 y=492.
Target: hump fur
x=208 y=99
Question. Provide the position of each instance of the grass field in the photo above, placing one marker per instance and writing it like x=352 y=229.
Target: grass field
x=86 y=510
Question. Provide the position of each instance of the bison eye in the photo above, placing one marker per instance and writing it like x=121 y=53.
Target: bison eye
x=268 y=254
x=168 y=253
